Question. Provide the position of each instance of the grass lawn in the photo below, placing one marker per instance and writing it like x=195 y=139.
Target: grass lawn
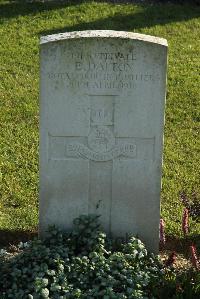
x=22 y=24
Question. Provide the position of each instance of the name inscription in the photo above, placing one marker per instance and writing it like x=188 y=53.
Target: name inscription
x=101 y=70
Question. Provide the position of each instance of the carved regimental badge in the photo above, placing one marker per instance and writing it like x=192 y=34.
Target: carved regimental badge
x=101 y=142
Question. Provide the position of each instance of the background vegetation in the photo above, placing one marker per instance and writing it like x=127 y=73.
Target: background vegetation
x=22 y=24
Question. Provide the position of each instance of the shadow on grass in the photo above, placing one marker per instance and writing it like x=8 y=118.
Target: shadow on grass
x=156 y=14
x=149 y=17
x=181 y=245
x=8 y=237
x=16 y=8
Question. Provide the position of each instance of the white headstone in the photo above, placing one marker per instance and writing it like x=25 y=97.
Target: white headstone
x=101 y=130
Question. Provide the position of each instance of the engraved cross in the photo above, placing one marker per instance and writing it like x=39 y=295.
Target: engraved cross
x=100 y=148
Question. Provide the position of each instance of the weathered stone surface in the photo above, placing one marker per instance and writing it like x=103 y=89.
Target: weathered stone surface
x=101 y=130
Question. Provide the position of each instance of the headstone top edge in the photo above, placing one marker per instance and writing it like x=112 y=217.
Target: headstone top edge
x=103 y=34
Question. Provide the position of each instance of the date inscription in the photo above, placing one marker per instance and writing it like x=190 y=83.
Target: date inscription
x=101 y=70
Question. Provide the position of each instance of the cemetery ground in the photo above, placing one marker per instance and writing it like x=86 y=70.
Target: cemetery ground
x=22 y=24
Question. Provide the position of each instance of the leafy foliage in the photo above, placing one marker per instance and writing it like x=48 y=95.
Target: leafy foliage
x=180 y=285
x=85 y=264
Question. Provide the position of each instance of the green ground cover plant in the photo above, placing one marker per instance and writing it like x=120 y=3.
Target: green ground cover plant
x=86 y=264
x=22 y=24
